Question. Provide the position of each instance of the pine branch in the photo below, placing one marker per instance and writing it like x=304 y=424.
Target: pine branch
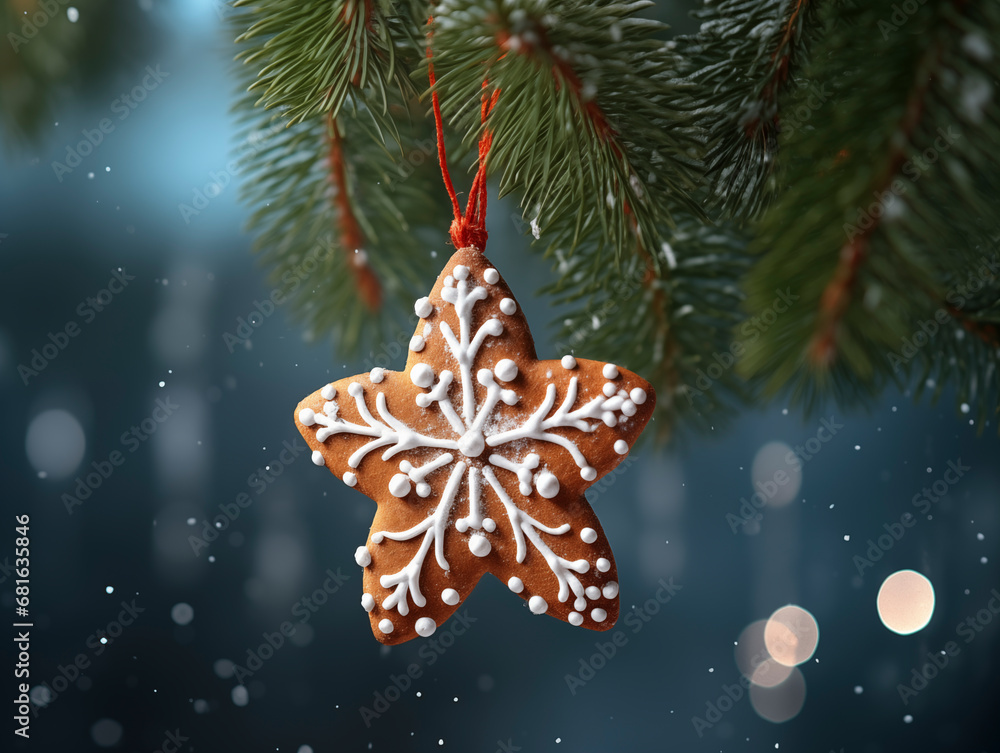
x=887 y=210
x=744 y=59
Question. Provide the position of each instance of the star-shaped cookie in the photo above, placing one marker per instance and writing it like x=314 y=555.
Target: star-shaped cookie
x=478 y=455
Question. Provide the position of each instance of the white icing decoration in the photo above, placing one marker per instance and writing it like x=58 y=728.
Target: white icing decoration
x=385 y=626
x=547 y=484
x=598 y=615
x=621 y=446
x=362 y=556
x=399 y=485
x=506 y=370
x=515 y=584
x=425 y=627
x=367 y=602
x=538 y=605
x=603 y=565
x=628 y=408
x=610 y=589
x=589 y=535
x=422 y=375
x=317 y=458
x=475 y=449
x=423 y=307
x=479 y=545
x=593 y=593
x=638 y=395
x=575 y=618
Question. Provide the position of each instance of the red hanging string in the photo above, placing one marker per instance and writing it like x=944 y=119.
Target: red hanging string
x=468 y=229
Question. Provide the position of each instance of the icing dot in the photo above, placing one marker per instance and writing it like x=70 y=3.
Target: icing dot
x=317 y=458
x=638 y=395
x=425 y=627
x=422 y=375
x=377 y=375
x=610 y=589
x=589 y=535
x=588 y=473
x=417 y=343
x=472 y=443
x=423 y=308
x=506 y=370
x=628 y=408
x=367 y=602
x=461 y=272
x=449 y=281
x=450 y=596
x=610 y=371
x=568 y=362
x=480 y=546
x=598 y=614
x=580 y=603
x=621 y=446
x=307 y=417
x=461 y=525
x=609 y=389
x=508 y=306
x=385 y=626
x=515 y=584
x=350 y=479
x=538 y=605
x=362 y=556
x=329 y=392
x=377 y=538
x=603 y=565
x=489 y=525
x=354 y=389
x=399 y=485
x=593 y=592
x=575 y=618
x=491 y=276
x=547 y=484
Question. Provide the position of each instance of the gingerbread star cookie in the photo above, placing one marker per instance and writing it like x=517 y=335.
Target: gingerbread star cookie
x=478 y=455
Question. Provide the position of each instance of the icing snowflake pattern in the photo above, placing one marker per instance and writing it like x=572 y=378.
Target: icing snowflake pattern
x=479 y=454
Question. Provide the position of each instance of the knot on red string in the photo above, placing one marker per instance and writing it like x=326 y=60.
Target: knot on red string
x=470 y=229
x=464 y=234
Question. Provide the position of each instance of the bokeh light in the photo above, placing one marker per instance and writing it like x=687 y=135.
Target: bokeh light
x=791 y=635
x=781 y=702
x=753 y=659
x=774 y=478
x=106 y=733
x=55 y=443
x=905 y=602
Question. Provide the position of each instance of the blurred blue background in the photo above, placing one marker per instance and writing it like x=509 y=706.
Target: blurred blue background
x=210 y=424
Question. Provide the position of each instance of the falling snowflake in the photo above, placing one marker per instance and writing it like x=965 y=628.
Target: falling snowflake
x=478 y=455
